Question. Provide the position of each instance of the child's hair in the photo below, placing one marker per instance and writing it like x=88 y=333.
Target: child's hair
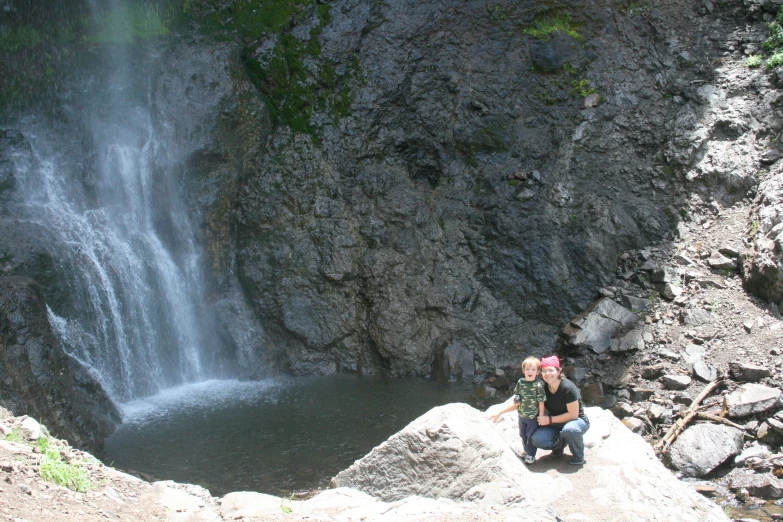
x=531 y=360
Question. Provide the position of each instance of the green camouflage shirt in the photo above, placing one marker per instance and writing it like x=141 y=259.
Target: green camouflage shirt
x=530 y=394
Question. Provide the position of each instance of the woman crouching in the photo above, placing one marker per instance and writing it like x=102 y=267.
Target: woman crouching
x=565 y=421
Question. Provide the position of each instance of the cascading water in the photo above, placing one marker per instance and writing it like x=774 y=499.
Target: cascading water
x=120 y=226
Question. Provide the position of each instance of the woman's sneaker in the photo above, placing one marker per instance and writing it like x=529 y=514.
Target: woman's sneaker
x=529 y=459
x=577 y=461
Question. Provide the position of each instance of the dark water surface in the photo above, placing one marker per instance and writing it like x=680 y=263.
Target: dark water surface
x=272 y=436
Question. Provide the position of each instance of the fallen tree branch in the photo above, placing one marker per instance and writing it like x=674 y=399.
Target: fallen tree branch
x=679 y=426
x=721 y=420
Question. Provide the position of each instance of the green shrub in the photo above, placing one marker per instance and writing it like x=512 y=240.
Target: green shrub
x=754 y=61
x=54 y=469
x=583 y=88
x=774 y=60
x=15 y=435
x=774 y=43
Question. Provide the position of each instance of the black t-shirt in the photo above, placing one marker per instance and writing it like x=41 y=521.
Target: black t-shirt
x=565 y=394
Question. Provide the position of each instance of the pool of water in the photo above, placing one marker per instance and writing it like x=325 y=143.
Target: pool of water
x=273 y=436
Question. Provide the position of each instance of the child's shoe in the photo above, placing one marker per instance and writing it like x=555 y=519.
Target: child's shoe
x=529 y=459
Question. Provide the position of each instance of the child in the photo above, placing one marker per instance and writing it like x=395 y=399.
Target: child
x=529 y=400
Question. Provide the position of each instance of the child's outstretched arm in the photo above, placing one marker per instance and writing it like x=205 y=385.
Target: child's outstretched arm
x=541 y=408
x=506 y=408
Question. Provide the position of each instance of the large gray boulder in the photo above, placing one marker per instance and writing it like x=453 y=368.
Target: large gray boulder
x=453 y=450
x=752 y=398
x=703 y=447
x=449 y=452
x=595 y=327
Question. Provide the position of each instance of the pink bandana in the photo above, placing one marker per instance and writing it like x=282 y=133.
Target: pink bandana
x=550 y=362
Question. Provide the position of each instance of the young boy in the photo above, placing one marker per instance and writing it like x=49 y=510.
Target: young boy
x=529 y=399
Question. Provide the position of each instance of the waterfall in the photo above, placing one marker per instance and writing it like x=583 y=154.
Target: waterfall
x=120 y=226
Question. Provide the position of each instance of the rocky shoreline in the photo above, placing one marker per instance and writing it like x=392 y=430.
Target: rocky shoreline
x=449 y=464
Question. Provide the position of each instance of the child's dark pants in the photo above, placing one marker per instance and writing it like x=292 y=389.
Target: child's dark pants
x=526 y=429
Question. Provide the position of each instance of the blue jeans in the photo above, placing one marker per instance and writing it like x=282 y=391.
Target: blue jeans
x=555 y=437
x=526 y=429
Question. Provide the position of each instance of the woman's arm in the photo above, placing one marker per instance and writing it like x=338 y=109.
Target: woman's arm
x=507 y=408
x=571 y=414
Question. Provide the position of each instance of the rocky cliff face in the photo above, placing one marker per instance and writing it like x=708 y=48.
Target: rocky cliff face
x=38 y=377
x=481 y=186
x=428 y=188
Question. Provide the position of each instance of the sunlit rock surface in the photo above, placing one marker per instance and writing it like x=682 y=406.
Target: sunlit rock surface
x=453 y=451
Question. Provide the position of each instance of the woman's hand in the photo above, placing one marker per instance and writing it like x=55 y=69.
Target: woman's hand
x=544 y=420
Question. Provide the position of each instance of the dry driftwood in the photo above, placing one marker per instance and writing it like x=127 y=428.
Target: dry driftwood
x=720 y=420
x=679 y=426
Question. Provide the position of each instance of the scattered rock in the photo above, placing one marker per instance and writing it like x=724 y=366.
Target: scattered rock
x=31 y=428
x=682 y=397
x=730 y=251
x=695 y=317
x=746 y=372
x=703 y=447
x=758 y=485
x=776 y=425
x=622 y=410
x=641 y=394
x=629 y=342
x=653 y=372
x=767 y=435
x=708 y=490
x=703 y=371
x=675 y=382
x=669 y=291
x=635 y=304
x=683 y=260
x=594 y=327
x=634 y=424
x=757 y=451
x=592 y=100
x=752 y=398
x=665 y=275
x=720 y=262
x=593 y=393
x=770 y=156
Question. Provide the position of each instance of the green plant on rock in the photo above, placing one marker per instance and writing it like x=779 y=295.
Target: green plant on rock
x=497 y=12
x=543 y=27
x=285 y=507
x=754 y=61
x=54 y=469
x=15 y=435
x=583 y=88
x=774 y=42
x=754 y=228
x=296 y=83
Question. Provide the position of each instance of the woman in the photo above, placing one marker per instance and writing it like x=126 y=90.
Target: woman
x=565 y=421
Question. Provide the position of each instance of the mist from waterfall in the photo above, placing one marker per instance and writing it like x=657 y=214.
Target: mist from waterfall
x=120 y=225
